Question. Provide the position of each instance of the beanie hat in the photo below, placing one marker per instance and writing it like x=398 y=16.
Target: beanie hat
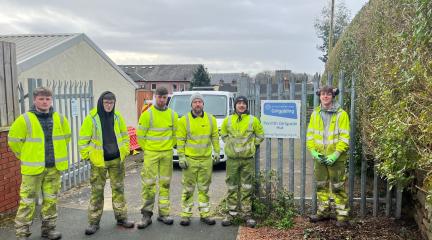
x=196 y=95
x=241 y=99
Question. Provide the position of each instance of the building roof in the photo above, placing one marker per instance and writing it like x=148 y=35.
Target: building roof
x=33 y=49
x=161 y=73
x=215 y=78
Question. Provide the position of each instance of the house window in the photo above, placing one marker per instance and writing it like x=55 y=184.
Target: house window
x=174 y=87
x=153 y=86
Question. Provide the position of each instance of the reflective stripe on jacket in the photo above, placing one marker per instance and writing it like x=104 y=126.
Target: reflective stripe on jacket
x=90 y=138
x=337 y=136
x=196 y=136
x=27 y=140
x=241 y=135
x=157 y=129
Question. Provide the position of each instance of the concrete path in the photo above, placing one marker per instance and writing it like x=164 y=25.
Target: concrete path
x=73 y=204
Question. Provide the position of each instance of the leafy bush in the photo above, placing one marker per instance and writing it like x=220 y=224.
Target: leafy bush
x=276 y=209
x=388 y=46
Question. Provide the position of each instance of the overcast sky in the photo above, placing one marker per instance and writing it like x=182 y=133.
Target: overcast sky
x=224 y=35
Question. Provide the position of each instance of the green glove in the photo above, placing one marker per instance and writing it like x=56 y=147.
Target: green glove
x=183 y=163
x=318 y=156
x=331 y=159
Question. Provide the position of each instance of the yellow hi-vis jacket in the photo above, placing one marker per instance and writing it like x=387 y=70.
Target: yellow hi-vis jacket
x=90 y=139
x=157 y=129
x=241 y=136
x=195 y=136
x=27 y=140
x=337 y=136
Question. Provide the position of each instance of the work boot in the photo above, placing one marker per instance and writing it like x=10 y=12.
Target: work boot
x=185 y=221
x=227 y=221
x=51 y=234
x=166 y=219
x=91 y=229
x=208 y=220
x=250 y=222
x=145 y=221
x=125 y=223
x=316 y=218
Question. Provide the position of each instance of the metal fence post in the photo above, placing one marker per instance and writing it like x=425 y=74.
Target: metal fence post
x=314 y=183
x=341 y=88
x=375 y=192
x=268 y=148
x=352 y=143
x=398 y=212
x=31 y=86
x=291 y=142
x=388 y=200
x=303 y=143
x=363 y=185
x=258 y=151
x=329 y=79
x=280 y=142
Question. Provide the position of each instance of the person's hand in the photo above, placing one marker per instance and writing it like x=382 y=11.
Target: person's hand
x=183 y=163
x=318 y=156
x=216 y=159
x=331 y=159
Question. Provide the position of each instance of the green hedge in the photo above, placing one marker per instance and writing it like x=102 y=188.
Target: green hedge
x=388 y=46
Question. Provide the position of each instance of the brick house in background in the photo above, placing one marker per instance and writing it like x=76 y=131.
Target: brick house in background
x=176 y=77
x=225 y=81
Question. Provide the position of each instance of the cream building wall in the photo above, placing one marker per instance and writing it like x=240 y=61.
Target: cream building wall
x=82 y=63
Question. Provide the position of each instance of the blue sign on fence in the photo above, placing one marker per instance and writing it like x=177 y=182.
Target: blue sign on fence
x=281 y=118
x=284 y=110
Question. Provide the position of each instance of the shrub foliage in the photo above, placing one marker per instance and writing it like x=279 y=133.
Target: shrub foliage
x=388 y=46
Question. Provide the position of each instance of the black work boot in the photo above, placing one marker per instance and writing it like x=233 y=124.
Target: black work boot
x=185 y=221
x=51 y=234
x=91 y=229
x=125 y=223
x=227 y=221
x=250 y=222
x=208 y=220
x=316 y=218
x=166 y=219
x=146 y=220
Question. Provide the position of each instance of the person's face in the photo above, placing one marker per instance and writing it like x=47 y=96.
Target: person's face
x=42 y=103
x=108 y=105
x=326 y=99
x=197 y=106
x=161 y=100
x=241 y=107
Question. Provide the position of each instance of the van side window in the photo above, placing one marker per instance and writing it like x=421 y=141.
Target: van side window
x=231 y=105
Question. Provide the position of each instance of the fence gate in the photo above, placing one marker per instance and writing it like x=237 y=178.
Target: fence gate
x=74 y=100
x=298 y=176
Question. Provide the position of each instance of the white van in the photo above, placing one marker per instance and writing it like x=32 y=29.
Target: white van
x=219 y=103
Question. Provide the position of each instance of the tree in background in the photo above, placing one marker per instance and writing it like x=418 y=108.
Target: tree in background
x=322 y=26
x=201 y=78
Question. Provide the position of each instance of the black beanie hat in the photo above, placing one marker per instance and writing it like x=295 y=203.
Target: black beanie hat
x=241 y=99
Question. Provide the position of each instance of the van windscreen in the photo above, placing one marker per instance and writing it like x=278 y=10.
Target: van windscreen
x=214 y=104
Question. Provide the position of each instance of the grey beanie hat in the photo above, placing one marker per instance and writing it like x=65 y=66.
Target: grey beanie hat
x=196 y=95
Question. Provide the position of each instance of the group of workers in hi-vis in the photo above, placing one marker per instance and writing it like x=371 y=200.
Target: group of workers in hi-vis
x=40 y=137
